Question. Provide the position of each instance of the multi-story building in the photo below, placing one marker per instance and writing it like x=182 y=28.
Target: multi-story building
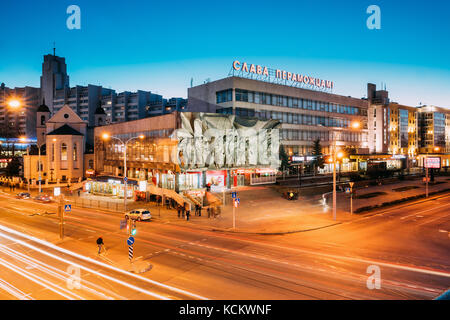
x=306 y=115
x=434 y=133
x=54 y=77
x=83 y=100
x=17 y=119
x=128 y=106
x=393 y=128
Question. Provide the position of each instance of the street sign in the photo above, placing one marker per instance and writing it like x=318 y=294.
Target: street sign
x=238 y=200
x=347 y=190
x=125 y=179
x=130 y=252
x=67 y=207
x=351 y=184
x=123 y=224
x=56 y=191
x=234 y=194
x=130 y=241
x=433 y=162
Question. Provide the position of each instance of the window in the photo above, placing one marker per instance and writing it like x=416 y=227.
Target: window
x=91 y=164
x=42 y=120
x=53 y=152
x=63 y=152
x=74 y=152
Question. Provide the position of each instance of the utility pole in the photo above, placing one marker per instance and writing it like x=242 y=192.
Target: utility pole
x=426 y=178
x=39 y=167
x=61 y=217
x=29 y=169
x=334 y=175
x=125 y=179
x=351 y=197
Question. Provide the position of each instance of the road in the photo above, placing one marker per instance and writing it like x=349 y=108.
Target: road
x=409 y=244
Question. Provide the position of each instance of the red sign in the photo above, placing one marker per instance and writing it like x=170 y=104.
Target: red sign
x=433 y=163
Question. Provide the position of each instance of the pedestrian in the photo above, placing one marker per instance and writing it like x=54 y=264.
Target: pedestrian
x=209 y=212
x=199 y=211
x=182 y=212
x=14 y=186
x=179 y=211
x=79 y=193
x=100 y=245
x=188 y=213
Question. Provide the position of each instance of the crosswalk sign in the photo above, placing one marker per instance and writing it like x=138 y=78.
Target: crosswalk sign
x=67 y=207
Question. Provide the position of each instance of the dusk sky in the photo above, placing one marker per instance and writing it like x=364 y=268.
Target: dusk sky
x=160 y=45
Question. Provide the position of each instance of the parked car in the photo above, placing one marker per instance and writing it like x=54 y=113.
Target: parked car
x=138 y=214
x=23 y=195
x=43 y=198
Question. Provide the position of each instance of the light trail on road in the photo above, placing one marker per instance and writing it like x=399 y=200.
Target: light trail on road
x=52 y=246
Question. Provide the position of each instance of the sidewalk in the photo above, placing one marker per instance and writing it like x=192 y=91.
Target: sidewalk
x=263 y=210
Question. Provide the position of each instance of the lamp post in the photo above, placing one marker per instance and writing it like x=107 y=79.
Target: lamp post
x=354 y=125
x=436 y=149
x=106 y=136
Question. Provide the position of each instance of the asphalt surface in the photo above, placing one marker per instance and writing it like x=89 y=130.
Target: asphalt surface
x=409 y=245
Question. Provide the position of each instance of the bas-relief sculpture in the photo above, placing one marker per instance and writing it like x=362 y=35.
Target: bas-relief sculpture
x=225 y=141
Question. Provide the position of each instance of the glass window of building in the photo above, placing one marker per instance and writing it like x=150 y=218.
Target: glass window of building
x=63 y=152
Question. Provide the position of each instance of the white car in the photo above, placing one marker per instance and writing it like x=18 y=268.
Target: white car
x=138 y=214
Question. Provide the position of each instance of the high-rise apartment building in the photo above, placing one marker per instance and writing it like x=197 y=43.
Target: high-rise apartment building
x=54 y=77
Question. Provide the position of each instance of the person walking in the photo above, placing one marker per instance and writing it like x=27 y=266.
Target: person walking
x=182 y=212
x=101 y=245
x=179 y=211
x=188 y=213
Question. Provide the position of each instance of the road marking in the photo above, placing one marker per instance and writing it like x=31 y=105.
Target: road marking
x=434 y=208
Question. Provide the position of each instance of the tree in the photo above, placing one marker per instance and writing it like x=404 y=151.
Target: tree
x=317 y=152
x=13 y=168
x=284 y=159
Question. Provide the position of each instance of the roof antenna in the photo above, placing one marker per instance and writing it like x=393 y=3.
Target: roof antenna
x=54 y=49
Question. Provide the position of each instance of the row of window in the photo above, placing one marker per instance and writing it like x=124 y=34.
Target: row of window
x=292 y=118
x=285 y=101
x=306 y=135
x=63 y=155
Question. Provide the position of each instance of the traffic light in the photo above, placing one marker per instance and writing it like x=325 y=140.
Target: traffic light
x=133 y=231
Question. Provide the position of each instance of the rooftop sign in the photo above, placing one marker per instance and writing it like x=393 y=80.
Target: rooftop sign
x=280 y=76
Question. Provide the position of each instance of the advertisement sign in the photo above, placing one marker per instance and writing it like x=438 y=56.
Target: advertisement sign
x=433 y=163
x=142 y=186
x=57 y=191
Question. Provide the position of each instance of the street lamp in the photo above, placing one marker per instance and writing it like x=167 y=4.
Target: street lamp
x=107 y=136
x=23 y=139
x=339 y=155
x=14 y=103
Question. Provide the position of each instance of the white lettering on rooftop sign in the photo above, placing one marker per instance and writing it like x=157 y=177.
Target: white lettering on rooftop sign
x=283 y=75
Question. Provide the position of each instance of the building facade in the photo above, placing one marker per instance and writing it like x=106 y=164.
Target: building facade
x=305 y=115
x=64 y=158
x=188 y=151
x=54 y=77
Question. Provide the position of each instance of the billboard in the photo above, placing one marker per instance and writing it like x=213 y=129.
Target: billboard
x=433 y=163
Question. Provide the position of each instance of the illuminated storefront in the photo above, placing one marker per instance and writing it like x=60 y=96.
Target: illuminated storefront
x=190 y=151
